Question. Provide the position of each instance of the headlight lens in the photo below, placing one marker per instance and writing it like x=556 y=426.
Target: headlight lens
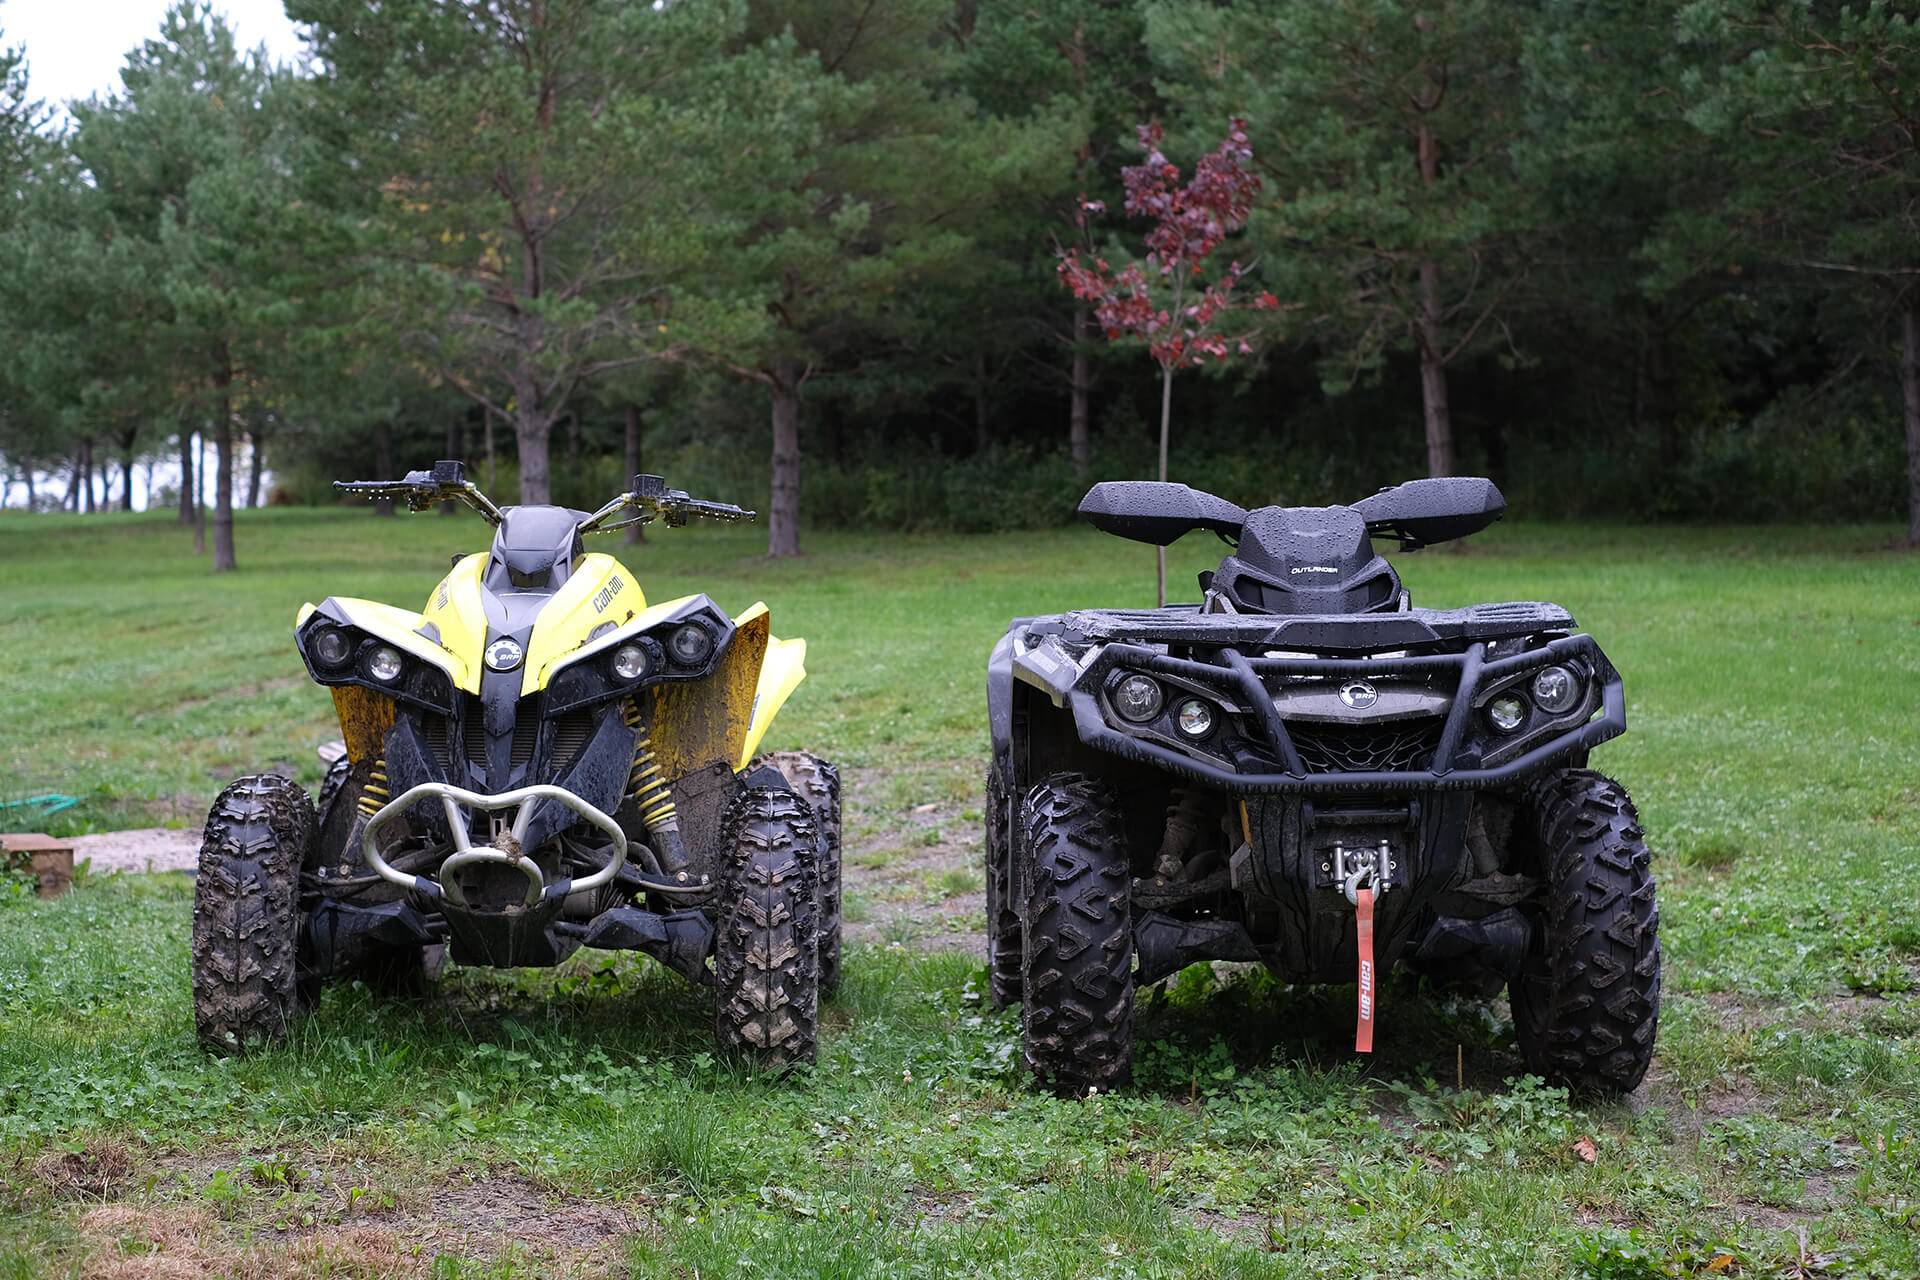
x=1195 y=718
x=1507 y=712
x=331 y=648
x=384 y=664
x=1556 y=689
x=629 y=662
x=1138 y=698
x=691 y=644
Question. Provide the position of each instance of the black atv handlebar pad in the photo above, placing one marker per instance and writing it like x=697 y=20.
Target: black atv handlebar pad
x=1158 y=512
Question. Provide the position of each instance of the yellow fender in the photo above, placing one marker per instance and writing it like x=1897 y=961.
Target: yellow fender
x=781 y=672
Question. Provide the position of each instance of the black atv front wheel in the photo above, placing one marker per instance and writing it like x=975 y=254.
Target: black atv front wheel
x=245 y=914
x=1587 y=1002
x=766 y=956
x=818 y=783
x=1003 y=911
x=1077 y=935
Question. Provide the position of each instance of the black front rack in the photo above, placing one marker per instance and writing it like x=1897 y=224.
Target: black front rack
x=1449 y=769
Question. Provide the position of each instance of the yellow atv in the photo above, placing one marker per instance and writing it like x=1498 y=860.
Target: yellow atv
x=538 y=761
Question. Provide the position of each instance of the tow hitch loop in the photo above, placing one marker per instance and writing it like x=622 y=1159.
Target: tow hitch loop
x=1363 y=875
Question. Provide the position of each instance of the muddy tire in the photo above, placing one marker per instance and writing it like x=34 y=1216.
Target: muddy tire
x=1003 y=913
x=818 y=783
x=1587 y=1003
x=766 y=955
x=245 y=916
x=1077 y=935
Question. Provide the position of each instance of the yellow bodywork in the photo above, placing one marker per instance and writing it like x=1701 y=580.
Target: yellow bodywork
x=722 y=717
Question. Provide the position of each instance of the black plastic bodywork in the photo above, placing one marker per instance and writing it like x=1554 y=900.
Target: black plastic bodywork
x=1343 y=721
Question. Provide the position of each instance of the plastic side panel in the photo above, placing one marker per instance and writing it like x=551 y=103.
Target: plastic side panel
x=785 y=667
x=399 y=628
x=598 y=591
x=365 y=717
x=306 y=611
x=455 y=610
x=697 y=723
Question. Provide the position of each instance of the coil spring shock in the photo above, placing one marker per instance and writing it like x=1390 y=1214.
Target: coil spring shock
x=652 y=796
x=374 y=794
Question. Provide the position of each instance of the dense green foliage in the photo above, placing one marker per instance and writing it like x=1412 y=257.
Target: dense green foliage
x=1770 y=750
x=1655 y=258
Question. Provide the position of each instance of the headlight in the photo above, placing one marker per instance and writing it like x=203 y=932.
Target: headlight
x=629 y=662
x=1138 y=698
x=384 y=664
x=1195 y=718
x=691 y=644
x=1556 y=689
x=1507 y=712
x=331 y=648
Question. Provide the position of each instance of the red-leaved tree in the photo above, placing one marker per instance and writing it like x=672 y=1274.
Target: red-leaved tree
x=1166 y=301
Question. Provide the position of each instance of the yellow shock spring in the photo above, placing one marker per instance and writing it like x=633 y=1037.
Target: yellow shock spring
x=648 y=789
x=374 y=794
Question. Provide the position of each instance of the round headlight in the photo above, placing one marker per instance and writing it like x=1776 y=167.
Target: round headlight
x=1138 y=698
x=384 y=663
x=629 y=662
x=1507 y=712
x=1195 y=718
x=691 y=644
x=1556 y=689
x=331 y=648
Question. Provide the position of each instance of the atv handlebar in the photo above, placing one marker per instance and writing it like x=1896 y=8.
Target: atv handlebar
x=672 y=507
x=448 y=482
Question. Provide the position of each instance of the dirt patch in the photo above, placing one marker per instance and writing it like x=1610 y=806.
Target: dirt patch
x=913 y=872
x=307 y=1215
x=149 y=849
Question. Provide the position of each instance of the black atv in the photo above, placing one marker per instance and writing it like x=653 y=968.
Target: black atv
x=1306 y=771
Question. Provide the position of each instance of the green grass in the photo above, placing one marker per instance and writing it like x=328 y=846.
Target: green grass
x=1773 y=677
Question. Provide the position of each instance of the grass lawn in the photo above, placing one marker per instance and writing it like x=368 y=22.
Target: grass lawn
x=575 y=1122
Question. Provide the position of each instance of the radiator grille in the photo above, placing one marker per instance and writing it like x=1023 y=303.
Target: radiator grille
x=1384 y=748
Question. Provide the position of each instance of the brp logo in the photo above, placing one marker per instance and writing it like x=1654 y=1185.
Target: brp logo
x=1358 y=694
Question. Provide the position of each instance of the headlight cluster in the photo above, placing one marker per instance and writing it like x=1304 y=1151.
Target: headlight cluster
x=1556 y=690
x=333 y=650
x=1140 y=700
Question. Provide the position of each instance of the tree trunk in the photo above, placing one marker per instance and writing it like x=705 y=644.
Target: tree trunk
x=1433 y=376
x=1079 y=439
x=453 y=451
x=783 y=508
x=383 y=463
x=1433 y=368
x=86 y=474
x=1910 y=388
x=981 y=436
x=72 y=501
x=187 y=489
x=487 y=414
x=33 y=499
x=223 y=461
x=533 y=431
x=127 y=442
x=256 y=463
x=635 y=532
x=199 y=494
x=1166 y=428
